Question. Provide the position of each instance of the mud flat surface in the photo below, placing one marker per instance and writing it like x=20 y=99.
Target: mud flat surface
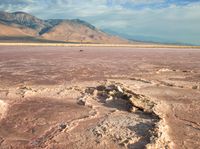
x=99 y=97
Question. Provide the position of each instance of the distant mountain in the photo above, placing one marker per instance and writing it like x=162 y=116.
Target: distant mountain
x=14 y=26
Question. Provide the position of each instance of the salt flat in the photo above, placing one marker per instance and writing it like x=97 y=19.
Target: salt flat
x=99 y=97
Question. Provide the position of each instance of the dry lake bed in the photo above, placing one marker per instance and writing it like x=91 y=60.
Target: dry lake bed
x=99 y=97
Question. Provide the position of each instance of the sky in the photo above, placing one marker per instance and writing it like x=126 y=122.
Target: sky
x=169 y=21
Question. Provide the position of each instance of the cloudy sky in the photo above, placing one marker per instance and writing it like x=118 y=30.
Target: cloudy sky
x=152 y=20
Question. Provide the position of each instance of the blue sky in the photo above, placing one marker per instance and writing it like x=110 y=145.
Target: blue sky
x=153 y=20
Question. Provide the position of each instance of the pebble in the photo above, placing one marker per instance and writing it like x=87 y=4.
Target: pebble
x=120 y=89
x=81 y=101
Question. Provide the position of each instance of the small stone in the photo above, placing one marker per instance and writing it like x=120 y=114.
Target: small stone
x=62 y=126
x=195 y=87
x=95 y=93
x=120 y=89
x=133 y=109
x=81 y=101
x=185 y=71
x=109 y=99
x=112 y=93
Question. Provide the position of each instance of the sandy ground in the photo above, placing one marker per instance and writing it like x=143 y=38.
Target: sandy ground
x=99 y=97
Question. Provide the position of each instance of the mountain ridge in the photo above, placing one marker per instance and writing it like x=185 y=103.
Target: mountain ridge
x=63 y=30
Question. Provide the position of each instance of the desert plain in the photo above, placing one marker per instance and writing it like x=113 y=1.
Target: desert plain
x=99 y=97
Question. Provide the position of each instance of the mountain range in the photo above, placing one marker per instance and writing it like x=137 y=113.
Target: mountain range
x=23 y=27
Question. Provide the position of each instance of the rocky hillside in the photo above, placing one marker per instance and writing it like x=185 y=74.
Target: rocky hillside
x=20 y=24
x=6 y=31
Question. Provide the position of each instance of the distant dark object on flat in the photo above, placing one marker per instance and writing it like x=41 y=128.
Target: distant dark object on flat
x=81 y=50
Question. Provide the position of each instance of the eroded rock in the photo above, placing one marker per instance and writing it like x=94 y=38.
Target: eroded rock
x=142 y=103
x=81 y=101
x=111 y=92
